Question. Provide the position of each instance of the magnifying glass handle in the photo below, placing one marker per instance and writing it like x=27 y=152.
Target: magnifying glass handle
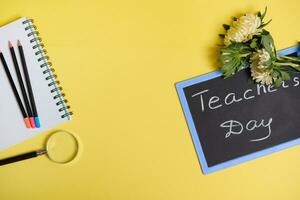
x=21 y=157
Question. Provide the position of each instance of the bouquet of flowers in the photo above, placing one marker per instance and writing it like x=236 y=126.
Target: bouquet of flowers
x=248 y=44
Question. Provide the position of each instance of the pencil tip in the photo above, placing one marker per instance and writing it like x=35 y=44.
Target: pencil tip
x=37 y=122
x=9 y=44
x=19 y=43
x=27 y=122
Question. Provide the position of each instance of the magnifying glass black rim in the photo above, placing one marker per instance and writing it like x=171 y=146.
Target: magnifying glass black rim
x=75 y=153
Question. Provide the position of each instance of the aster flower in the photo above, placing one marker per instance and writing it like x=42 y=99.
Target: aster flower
x=262 y=76
x=259 y=66
x=243 y=29
x=260 y=59
x=248 y=44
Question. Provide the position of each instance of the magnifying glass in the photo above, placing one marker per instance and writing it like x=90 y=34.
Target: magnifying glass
x=61 y=147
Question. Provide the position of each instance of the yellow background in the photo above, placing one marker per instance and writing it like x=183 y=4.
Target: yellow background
x=118 y=62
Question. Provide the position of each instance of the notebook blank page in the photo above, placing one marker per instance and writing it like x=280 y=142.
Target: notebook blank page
x=12 y=126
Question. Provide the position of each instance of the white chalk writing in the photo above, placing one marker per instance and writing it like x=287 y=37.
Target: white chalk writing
x=235 y=127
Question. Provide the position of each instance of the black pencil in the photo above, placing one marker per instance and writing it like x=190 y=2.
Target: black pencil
x=28 y=84
x=13 y=86
x=21 y=83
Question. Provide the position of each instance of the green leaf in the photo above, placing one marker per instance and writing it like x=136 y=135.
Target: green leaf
x=226 y=67
x=225 y=58
x=265 y=32
x=265 y=24
x=234 y=57
x=285 y=76
x=243 y=64
x=221 y=35
x=259 y=14
x=269 y=63
x=267 y=42
x=253 y=43
x=226 y=27
x=277 y=82
x=275 y=73
x=264 y=14
x=228 y=70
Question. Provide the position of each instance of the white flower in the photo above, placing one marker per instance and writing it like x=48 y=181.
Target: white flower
x=259 y=71
x=243 y=29
x=259 y=58
x=263 y=76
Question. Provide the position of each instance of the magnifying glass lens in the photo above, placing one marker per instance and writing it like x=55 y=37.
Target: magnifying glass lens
x=62 y=147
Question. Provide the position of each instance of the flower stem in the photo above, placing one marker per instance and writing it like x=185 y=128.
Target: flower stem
x=294 y=65
x=286 y=64
x=289 y=58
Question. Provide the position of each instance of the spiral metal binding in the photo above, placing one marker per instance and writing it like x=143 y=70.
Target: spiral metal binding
x=56 y=90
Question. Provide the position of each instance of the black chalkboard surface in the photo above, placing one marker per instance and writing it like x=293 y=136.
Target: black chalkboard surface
x=233 y=120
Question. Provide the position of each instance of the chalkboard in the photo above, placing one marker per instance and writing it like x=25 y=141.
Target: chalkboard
x=234 y=120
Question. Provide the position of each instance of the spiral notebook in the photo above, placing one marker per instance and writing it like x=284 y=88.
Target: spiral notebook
x=49 y=98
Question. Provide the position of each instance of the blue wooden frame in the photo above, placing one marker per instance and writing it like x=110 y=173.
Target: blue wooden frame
x=206 y=170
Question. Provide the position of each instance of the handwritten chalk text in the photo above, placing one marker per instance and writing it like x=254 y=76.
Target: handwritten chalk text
x=235 y=127
x=212 y=102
